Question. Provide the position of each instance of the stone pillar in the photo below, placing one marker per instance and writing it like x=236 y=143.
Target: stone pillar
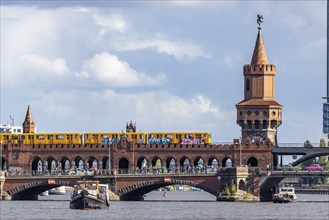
x=3 y=195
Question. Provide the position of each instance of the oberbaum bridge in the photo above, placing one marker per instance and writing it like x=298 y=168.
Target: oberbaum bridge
x=248 y=163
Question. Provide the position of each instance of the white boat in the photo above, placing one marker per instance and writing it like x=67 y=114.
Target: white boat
x=90 y=195
x=286 y=194
x=58 y=191
x=45 y=193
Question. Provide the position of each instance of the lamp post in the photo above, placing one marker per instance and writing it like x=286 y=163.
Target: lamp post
x=109 y=161
x=0 y=156
x=240 y=155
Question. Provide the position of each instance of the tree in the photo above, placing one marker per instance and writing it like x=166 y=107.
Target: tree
x=307 y=143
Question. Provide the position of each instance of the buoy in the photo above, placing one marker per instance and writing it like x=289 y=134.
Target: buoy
x=164 y=194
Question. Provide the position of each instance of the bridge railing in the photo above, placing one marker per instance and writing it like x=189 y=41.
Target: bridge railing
x=296 y=144
x=147 y=171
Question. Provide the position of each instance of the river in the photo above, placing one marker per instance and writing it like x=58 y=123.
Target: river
x=176 y=205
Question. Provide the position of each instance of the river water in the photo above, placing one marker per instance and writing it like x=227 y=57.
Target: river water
x=176 y=205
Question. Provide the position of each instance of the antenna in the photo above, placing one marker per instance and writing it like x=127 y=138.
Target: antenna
x=12 y=119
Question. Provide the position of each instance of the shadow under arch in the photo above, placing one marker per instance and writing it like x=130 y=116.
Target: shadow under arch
x=137 y=191
x=31 y=190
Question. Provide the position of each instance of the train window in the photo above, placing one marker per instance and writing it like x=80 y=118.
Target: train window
x=5 y=137
x=69 y=137
x=40 y=137
x=31 y=137
x=50 y=137
x=95 y=136
x=87 y=136
x=59 y=137
x=23 y=137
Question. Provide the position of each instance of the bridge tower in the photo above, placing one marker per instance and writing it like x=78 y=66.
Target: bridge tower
x=28 y=124
x=259 y=114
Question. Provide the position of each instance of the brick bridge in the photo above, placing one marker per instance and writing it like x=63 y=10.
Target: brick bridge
x=126 y=155
x=126 y=186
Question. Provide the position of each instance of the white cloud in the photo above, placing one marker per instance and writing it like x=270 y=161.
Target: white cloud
x=113 y=22
x=231 y=60
x=169 y=108
x=42 y=64
x=180 y=50
x=109 y=69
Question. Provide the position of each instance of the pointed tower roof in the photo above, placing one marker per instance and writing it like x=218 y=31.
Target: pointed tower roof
x=259 y=55
x=28 y=116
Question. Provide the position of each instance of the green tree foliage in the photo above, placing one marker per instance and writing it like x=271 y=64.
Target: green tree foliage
x=306 y=163
x=307 y=143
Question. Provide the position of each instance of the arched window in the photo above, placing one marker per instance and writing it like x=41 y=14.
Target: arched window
x=248 y=85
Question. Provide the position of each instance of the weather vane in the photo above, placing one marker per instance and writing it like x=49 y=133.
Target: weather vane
x=259 y=21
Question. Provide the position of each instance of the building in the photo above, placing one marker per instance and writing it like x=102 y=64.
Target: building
x=259 y=114
x=11 y=129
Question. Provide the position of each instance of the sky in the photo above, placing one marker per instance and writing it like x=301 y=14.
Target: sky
x=166 y=65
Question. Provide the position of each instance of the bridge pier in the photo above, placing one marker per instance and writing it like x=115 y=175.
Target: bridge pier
x=239 y=184
x=3 y=195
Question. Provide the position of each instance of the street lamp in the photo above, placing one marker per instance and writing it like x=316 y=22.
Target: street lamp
x=109 y=161
x=0 y=156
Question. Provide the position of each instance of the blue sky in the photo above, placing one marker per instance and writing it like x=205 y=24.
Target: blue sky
x=166 y=65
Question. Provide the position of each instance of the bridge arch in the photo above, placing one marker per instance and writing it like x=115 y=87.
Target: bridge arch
x=170 y=164
x=78 y=162
x=123 y=165
x=65 y=163
x=50 y=163
x=184 y=163
x=252 y=161
x=31 y=190
x=36 y=164
x=242 y=185
x=105 y=163
x=213 y=162
x=142 y=163
x=156 y=160
x=198 y=161
x=227 y=162
x=92 y=162
x=137 y=191
x=4 y=163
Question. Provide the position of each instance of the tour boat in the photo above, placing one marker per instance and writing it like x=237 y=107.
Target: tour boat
x=286 y=194
x=58 y=191
x=89 y=195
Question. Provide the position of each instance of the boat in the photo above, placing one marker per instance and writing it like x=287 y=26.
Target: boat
x=58 y=191
x=89 y=195
x=45 y=193
x=286 y=194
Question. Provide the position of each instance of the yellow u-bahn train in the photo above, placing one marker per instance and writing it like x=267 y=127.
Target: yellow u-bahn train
x=107 y=138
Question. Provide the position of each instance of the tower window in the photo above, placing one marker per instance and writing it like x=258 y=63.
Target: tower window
x=248 y=85
x=240 y=113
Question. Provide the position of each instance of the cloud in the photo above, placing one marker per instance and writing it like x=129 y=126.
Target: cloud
x=113 y=22
x=42 y=64
x=180 y=50
x=165 y=106
x=109 y=69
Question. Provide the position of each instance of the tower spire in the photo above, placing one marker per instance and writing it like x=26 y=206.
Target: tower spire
x=28 y=124
x=259 y=56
